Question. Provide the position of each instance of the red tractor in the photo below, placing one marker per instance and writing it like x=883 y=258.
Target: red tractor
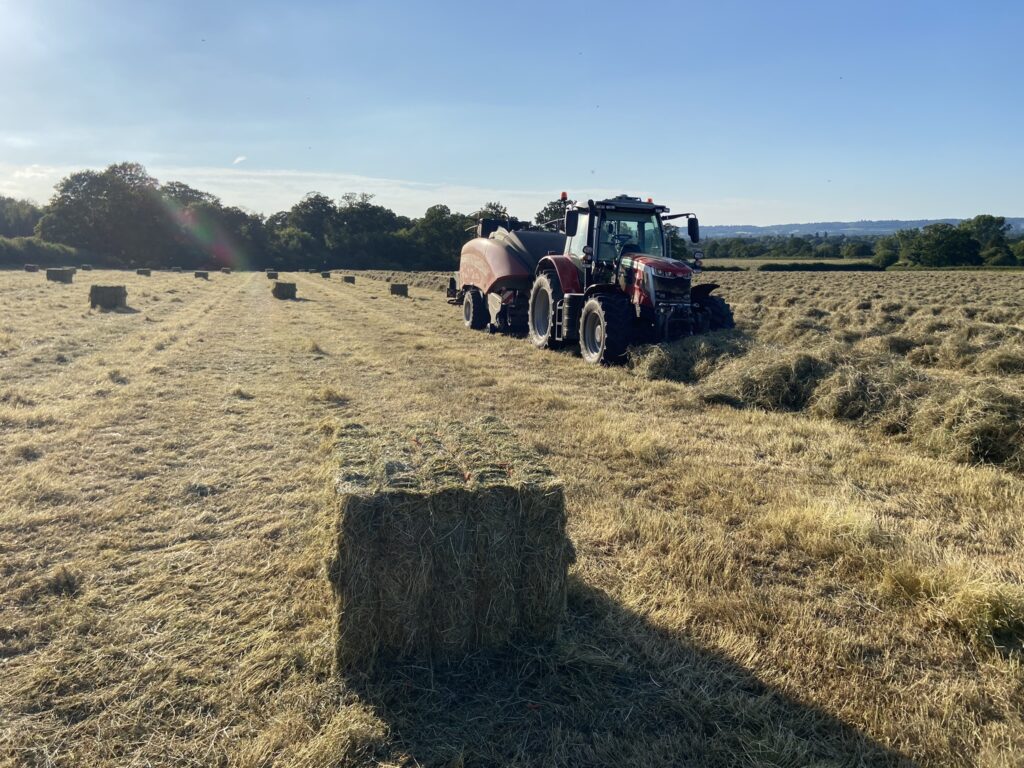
x=606 y=280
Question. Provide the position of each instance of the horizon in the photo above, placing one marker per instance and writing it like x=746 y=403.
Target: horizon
x=766 y=116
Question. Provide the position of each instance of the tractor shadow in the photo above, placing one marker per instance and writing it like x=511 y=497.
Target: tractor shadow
x=615 y=690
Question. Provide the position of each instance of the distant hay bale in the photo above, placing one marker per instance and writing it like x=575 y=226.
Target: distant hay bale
x=108 y=296
x=225 y=270
x=175 y=269
x=31 y=267
x=143 y=272
x=271 y=275
x=450 y=538
x=86 y=267
x=60 y=275
x=202 y=275
x=325 y=275
x=398 y=289
x=349 y=279
x=283 y=290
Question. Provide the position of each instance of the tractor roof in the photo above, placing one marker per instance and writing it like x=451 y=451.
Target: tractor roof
x=623 y=203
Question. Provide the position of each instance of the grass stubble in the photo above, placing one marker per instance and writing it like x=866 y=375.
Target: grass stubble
x=817 y=577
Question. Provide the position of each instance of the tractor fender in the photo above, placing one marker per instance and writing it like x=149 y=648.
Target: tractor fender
x=602 y=288
x=566 y=269
x=700 y=292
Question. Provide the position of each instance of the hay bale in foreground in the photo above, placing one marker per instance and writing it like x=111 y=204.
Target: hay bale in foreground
x=450 y=538
x=349 y=279
x=60 y=275
x=143 y=272
x=271 y=275
x=399 y=289
x=202 y=275
x=31 y=267
x=108 y=296
x=283 y=290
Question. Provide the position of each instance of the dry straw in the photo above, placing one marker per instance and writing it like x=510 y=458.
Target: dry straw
x=450 y=538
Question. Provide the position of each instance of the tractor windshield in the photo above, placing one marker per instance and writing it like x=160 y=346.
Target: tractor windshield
x=623 y=232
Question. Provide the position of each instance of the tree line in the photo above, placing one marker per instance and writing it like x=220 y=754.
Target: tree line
x=122 y=217
x=984 y=240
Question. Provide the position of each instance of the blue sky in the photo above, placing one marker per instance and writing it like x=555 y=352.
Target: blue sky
x=751 y=112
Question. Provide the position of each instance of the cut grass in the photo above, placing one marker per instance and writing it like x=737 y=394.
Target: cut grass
x=753 y=587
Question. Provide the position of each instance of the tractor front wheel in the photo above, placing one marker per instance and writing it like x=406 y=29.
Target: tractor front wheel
x=719 y=313
x=474 y=310
x=606 y=325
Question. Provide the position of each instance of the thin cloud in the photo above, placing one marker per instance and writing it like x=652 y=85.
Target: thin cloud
x=239 y=159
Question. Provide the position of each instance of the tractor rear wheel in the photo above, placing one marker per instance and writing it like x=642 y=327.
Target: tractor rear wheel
x=719 y=313
x=606 y=325
x=474 y=310
x=544 y=297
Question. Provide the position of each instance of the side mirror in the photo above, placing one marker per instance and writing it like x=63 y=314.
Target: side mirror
x=572 y=223
x=693 y=229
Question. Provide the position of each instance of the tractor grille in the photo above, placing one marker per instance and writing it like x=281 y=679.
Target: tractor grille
x=671 y=290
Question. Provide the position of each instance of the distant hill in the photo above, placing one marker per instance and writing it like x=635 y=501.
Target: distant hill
x=886 y=227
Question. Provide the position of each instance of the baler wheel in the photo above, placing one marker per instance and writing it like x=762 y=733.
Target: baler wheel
x=474 y=310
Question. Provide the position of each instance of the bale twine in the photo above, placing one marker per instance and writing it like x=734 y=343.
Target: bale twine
x=60 y=275
x=202 y=275
x=225 y=270
x=283 y=290
x=349 y=279
x=108 y=296
x=86 y=267
x=450 y=538
x=325 y=275
x=31 y=267
x=143 y=272
x=399 y=289
x=271 y=275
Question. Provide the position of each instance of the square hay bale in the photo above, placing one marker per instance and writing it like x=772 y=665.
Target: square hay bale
x=283 y=290
x=175 y=269
x=349 y=279
x=225 y=270
x=325 y=275
x=31 y=267
x=399 y=289
x=86 y=267
x=143 y=272
x=271 y=275
x=450 y=538
x=108 y=296
x=60 y=275
x=202 y=275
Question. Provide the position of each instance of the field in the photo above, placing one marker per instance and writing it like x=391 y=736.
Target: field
x=797 y=543
x=755 y=263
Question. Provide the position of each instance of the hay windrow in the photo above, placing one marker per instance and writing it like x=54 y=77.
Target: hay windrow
x=450 y=538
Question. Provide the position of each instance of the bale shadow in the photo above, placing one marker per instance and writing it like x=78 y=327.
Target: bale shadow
x=613 y=691
x=116 y=310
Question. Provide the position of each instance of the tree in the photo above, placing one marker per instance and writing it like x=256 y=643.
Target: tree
x=18 y=218
x=438 y=237
x=555 y=210
x=855 y=249
x=988 y=230
x=998 y=256
x=493 y=210
x=886 y=251
x=943 y=245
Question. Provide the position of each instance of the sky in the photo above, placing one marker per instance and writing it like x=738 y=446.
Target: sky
x=745 y=112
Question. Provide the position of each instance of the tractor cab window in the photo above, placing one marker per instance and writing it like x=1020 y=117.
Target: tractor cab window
x=579 y=240
x=620 y=232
